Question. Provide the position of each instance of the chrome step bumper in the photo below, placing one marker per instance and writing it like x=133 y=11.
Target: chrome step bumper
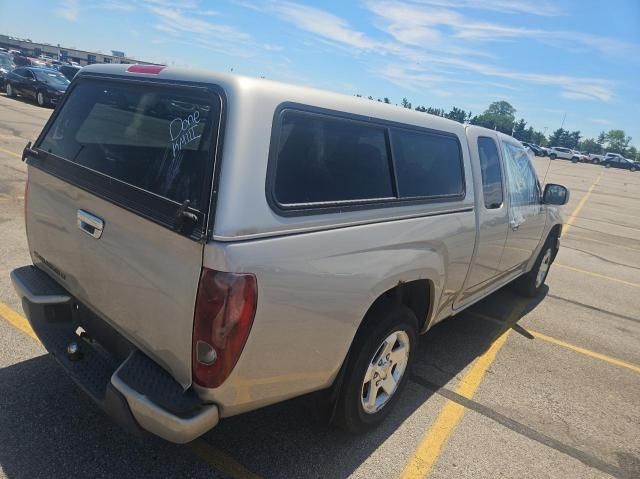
x=135 y=391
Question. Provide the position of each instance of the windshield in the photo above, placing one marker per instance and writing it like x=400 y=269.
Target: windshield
x=51 y=77
x=5 y=61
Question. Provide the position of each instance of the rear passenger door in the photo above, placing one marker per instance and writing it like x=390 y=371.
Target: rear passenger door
x=19 y=80
x=492 y=211
x=28 y=85
x=526 y=212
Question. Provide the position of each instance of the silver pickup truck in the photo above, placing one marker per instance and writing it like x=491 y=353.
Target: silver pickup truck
x=206 y=244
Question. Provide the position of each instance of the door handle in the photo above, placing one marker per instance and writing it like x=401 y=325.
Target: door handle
x=90 y=224
x=514 y=225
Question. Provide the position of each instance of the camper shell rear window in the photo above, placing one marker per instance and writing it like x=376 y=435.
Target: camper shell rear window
x=149 y=146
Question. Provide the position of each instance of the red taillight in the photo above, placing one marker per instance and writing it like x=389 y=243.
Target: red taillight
x=225 y=307
x=149 y=69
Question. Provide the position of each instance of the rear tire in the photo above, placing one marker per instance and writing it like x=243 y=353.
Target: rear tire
x=378 y=368
x=10 y=91
x=552 y=156
x=530 y=284
x=633 y=168
x=41 y=99
x=574 y=160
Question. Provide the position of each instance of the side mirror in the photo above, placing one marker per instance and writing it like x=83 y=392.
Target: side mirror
x=555 y=195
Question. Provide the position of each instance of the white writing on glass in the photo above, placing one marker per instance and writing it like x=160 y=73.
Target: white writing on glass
x=183 y=131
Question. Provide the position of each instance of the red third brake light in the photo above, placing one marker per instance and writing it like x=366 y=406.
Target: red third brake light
x=225 y=307
x=150 y=69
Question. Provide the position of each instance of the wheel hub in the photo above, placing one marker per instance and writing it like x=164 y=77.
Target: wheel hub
x=386 y=369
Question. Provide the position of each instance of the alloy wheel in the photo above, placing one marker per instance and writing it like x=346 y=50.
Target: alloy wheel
x=385 y=371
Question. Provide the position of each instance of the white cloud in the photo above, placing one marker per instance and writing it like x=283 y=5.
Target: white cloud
x=600 y=121
x=322 y=23
x=415 y=24
x=115 y=6
x=187 y=24
x=429 y=38
x=540 y=7
x=178 y=20
x=69 y=10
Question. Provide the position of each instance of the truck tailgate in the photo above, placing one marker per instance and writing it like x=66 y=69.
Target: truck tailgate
x=139 y=276
x=118 y=200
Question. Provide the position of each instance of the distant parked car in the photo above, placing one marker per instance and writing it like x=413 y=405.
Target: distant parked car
x=563 y=153
x=537 y=151
x=68 y=71
x=596 y=159
x=21 y=60
x=44 y=85
x=622 y=163
x=583 y=157
x=543 y=151
x=6 y=65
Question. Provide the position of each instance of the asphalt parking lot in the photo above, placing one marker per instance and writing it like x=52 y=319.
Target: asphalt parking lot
x=511 y=388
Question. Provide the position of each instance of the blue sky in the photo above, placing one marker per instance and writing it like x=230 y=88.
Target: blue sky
x=544 y=57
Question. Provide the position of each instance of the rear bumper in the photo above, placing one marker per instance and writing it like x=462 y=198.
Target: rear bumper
x=131 y=388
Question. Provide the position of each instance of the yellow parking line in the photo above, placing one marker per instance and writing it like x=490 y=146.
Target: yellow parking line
x=605 y=243
x=564 y=344
x=435 y=439
x=9 y=152
x=598 y=275
x=213 y=456
x=17 y=321
x=585 y=351
x=220 y=460
x=574 y=213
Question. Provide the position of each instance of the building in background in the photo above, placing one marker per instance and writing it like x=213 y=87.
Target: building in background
x=82 y=57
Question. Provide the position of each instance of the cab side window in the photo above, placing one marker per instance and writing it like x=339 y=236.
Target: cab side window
x=524 y=189
x=491 y=173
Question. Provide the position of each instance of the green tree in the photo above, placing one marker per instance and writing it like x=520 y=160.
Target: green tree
x=519 y=130
x=501 y=108
x=406 y=103
x=617 y=141
x=457 y=114
x=558 y=137
x=538 y=138
x=589 y=145
x=386 y=100
x=499 y=116
x=527 y=135
x=573 y=139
